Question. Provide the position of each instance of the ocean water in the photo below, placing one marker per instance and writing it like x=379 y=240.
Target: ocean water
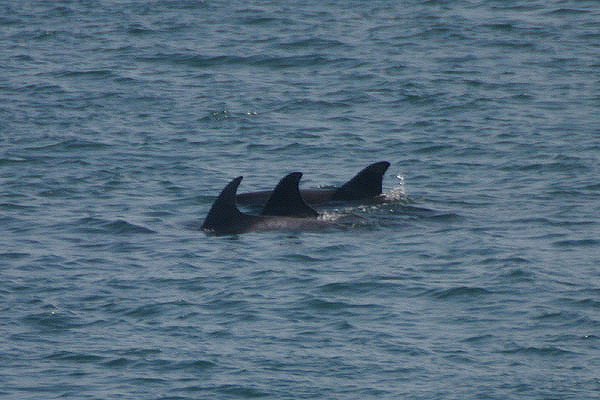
x=120 y=122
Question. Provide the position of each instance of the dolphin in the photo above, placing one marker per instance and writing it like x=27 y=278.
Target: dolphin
x=366 y=185
x=285 y=210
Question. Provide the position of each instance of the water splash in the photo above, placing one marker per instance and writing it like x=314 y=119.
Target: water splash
x=397 y=193
x=343 y=218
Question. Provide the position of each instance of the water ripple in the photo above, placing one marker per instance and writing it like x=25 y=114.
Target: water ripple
x=475 y=278
x=102 y=226
x=462 y=292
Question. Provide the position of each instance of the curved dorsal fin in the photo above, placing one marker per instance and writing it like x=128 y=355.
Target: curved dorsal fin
x=223 y=212
x=286 y=200
x=365 y=184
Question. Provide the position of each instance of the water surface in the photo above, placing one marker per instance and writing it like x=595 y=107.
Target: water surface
x=122 y=121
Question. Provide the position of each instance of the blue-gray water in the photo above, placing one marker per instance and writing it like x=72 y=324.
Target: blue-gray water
x=120 y=122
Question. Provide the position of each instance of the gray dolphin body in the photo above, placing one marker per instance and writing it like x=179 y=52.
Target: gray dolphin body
x=284 y=210
x=366 y=185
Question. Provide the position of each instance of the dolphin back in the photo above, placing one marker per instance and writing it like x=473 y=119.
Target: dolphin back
x=367 y=183
x=286 y=201
x=224 y=216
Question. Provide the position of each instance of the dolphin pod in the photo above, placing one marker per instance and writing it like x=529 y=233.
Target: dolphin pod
x=285 y=207
x=363 y=186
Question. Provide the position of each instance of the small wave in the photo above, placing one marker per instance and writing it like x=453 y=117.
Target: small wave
x=7 y=21
x=312 y=43
x=13 y=255
x=568 y=11
x=120 y=362
x=71 y=144
x=57 y=193
x=119 y=226
x=183 y=4
x=577 y=243
x=140 y=352
x=595 y=187
x=588 y=303
x=436 y=32
x=434 y=149
x=146 y=381
x=507 y=260
x=224 y=304
x=308 y=104
x=499 y=26
x=593 y=36
x=194 y=364
x=554 y=316
x=324 y=305
x=517 y=275
x=74 y=357
x=92 y=73
x=457 y=292
x=145 y=310
x=201 y=61
x=302 y=258
x=552 y=222
x=550 y=166
x=447 y=217
x=12 y=160
x=538 y=351
x=52 y=321
x=514 y=44
x=13 y=206
x=241 y=391
x=60 y=11
x=191 y=365
x=353 y=288
x=260 y=20
x=42 y=88
x=479 y=338
x=528 y=221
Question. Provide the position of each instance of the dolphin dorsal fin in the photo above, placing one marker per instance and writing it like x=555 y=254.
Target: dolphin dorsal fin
x=224 y=210
x=286 y=200
x=365 y=184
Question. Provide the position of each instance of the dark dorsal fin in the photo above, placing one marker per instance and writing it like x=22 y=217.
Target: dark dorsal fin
x=224 y=212
x=365 y=184
x=286 y=200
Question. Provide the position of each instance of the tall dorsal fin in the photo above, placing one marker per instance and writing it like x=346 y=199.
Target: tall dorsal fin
x=365 y=184
x=224 y=212
x=286 y=200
